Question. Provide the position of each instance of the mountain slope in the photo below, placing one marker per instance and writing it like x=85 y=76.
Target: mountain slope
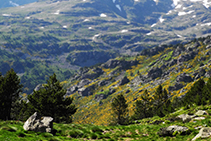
x=77 y=33
x=176 y=67
x=14 y=3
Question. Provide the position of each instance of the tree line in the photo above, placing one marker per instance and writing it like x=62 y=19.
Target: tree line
x=160 y=103
x=49 y=100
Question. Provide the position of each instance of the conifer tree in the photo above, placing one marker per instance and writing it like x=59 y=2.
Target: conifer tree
x=120 y=109
x=10 y=89
x=143 y=107
x=50 y=101
x=195 y=94
x=162 y=104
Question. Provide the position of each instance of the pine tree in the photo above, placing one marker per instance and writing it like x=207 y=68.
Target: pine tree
x=195 y=94
x=143 y=108
x=50 y=101
x=10 y=88
x=162 y=103
x=120 y=109
x=207 y=91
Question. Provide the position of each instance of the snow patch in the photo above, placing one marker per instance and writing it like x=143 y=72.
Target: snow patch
x=28 y=18
x=64 y=26
x=86 y=20
x=206 y=24
x=185 y=13
x=57 y=12
x=6 y=15
x=124 y=31
x=90 y=27
x=179 y=36
x=153 y=25
x=169 y=12
x=41 y=27
x=114 y=1
x=150 y=33
x=161 y=19
x=194 y=16
x=175 y=2
x=178 y=6
x=95 y=36
x=136 y=0
x=14 y=4
x=118 y=6
x=103 y=15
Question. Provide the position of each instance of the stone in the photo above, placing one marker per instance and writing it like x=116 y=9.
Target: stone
x=185 y=117
x=39 y=123
x=204 y=132
x=85 y=91
x=173 y=130
x=199 y=118
x=200 y=113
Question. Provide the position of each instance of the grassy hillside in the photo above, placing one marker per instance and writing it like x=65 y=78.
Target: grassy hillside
x=142 y=130
x=174 y=67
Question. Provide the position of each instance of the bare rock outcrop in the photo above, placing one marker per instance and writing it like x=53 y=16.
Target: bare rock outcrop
x=39 y=123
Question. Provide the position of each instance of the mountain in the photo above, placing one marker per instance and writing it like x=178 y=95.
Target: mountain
x=70 y=34
x=175 y=67
x=14 y=3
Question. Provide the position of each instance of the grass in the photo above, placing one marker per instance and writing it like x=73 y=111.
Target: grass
x=144 y=131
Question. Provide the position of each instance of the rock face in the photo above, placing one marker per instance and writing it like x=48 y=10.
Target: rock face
x=204 y=132
x=173 y=130
x=124 y=80
x=38 y=123
x=154 y=73
x=184 y=78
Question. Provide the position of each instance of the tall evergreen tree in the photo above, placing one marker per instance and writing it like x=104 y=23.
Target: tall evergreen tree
x=10 y=89
x=143 y=107
x=195 y=94
x=50 y=101
x=207 y=91
x=120 y=109
x=162 y=104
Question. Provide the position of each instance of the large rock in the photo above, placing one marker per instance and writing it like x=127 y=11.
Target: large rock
x=204 y=132
x=185 y=117
x=173 y=130
x=39 y=123
x=200 y=113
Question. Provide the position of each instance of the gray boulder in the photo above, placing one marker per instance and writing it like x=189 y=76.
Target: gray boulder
x=204 y=132
x=185 y=117
x=173 y=130
x=85 y=91
x=39 y=123
x=200 y=113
